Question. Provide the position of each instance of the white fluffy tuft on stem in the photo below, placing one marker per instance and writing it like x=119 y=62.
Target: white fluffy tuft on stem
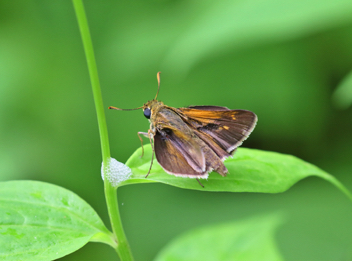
x=116 y=172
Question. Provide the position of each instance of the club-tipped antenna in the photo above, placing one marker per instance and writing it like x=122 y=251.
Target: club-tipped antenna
x=158 y=77
x=115 y=108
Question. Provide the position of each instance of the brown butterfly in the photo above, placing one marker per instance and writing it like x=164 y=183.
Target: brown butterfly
x=193 y=141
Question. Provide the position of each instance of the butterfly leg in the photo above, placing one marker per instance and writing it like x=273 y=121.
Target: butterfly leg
x=145 y=134
x=200 y=183
x=150 y=133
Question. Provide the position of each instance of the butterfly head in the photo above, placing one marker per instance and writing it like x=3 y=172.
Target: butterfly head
x=151 y=107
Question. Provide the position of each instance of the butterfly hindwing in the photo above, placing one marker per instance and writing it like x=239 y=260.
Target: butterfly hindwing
x=177 y=148
x=174 y=156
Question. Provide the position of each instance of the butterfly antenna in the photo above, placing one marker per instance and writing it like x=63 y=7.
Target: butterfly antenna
x=158 y=77
x=115 y=108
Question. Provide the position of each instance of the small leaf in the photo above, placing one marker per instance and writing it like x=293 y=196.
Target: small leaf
x=250 y=170
x=248 y=240
x=41 y=221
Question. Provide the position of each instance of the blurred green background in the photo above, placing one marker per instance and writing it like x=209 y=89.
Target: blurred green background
x=281 y=59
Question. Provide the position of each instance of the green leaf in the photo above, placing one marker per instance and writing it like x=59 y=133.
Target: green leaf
x=41 y=221
x=250 y=170
x=248 y=240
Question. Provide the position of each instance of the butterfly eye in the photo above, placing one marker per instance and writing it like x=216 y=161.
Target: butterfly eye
x=147 y=113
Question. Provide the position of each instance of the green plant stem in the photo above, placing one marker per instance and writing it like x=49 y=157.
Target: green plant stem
x=122 y=248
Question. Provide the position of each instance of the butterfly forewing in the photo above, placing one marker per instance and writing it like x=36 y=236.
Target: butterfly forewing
x=228 y=128
x=209 y=108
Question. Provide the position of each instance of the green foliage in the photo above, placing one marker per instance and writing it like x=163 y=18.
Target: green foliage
x=40 y=221
x=342 y=96
x=249 y=171
x=280 y=59
x=225 y=25
x=246 y=240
